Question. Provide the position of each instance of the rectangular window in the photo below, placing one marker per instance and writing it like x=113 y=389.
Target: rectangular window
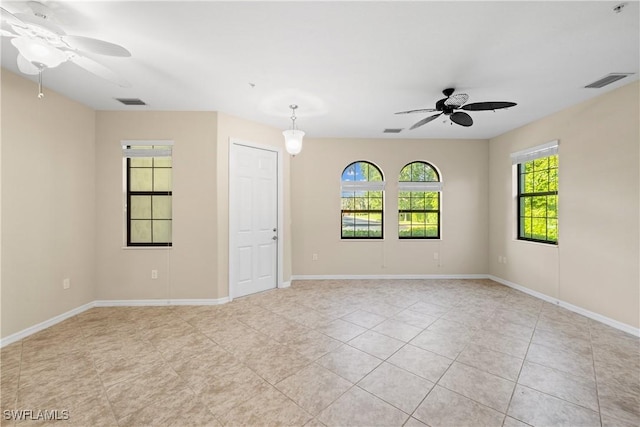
x=537 y=197
x=362 y=215
x=418 y=215
x=148 y=192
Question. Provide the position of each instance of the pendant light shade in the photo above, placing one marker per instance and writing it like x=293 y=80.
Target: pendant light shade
x=293 y=137
x=293 y=141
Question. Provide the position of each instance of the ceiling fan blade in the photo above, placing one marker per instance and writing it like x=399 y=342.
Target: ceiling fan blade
x=39 y=9
x=7 y=33
x=98 y=69
x=88 y=44
x=463 y=119
x=483 y=106
x=456 y=100
x=9 y=18
x=27 y=67
x=425 y=121
x=423 y=110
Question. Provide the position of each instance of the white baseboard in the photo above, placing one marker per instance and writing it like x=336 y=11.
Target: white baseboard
x=159 y=302
x=386 y=276
x=285 y=284
x=44 y=325
x=583 y=311
x=521 y=288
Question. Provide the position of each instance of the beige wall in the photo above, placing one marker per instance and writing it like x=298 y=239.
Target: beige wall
x=188 y=269
x=48 y=204
x=315 y=183
x=596 y=264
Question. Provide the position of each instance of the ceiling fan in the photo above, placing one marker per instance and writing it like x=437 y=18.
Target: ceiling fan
x=453 y=102
x=42 y=44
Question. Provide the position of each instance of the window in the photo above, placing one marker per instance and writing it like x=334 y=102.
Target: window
x=148 y=192
x=362 y=201
x=537 y=196
x=419 y=202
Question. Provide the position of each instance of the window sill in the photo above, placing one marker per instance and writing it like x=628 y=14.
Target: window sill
x=419 y=239
x=531 y=242
x=146 y=248
x=398 y=239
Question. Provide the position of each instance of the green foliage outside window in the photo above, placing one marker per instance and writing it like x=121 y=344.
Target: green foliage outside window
x=538 y=200
x=418 y=172
x=419 y=211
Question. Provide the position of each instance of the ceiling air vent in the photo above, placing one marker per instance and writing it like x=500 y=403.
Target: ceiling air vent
x=393 y=130
x=607 y=80
x=131 y=101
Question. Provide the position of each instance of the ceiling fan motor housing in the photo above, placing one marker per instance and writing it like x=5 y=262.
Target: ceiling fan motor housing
x=448 y=92
x=446 y=109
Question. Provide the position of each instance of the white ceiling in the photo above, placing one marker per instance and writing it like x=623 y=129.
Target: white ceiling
x=349 y=65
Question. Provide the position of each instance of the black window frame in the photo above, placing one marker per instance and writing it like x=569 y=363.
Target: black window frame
x=362 y=211
x=522 y=196
x=131 y=193
x=421 y=211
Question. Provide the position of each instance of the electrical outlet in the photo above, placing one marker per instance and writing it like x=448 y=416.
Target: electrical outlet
x=436 y=256
x=66 y=283
x=504 y=259
x=154 y=274
x=314 y=257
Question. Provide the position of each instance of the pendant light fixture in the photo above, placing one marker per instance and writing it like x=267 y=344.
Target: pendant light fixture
x=293 y=137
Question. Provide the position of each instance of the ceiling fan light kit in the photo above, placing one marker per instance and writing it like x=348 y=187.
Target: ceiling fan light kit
x=38 y=52
x=42 y=44
x=453 y=102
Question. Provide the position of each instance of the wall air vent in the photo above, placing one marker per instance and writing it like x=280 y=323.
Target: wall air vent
x=607 y=80
x=131 y=101
x=393 y=130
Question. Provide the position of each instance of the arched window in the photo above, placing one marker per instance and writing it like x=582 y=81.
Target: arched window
x=362 y=201
x=419 y=202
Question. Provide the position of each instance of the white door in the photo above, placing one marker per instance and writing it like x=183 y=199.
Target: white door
x=253 y=219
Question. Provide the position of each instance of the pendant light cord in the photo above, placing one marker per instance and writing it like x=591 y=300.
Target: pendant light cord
x=40 y=94
x=293 y=116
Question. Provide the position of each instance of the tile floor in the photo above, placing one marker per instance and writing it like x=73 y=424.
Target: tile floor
x=334 y=353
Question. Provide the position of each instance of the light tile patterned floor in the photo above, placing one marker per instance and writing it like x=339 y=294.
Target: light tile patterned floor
x=334 y=353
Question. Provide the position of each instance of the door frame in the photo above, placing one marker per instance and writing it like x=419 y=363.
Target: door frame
x=233 y=262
